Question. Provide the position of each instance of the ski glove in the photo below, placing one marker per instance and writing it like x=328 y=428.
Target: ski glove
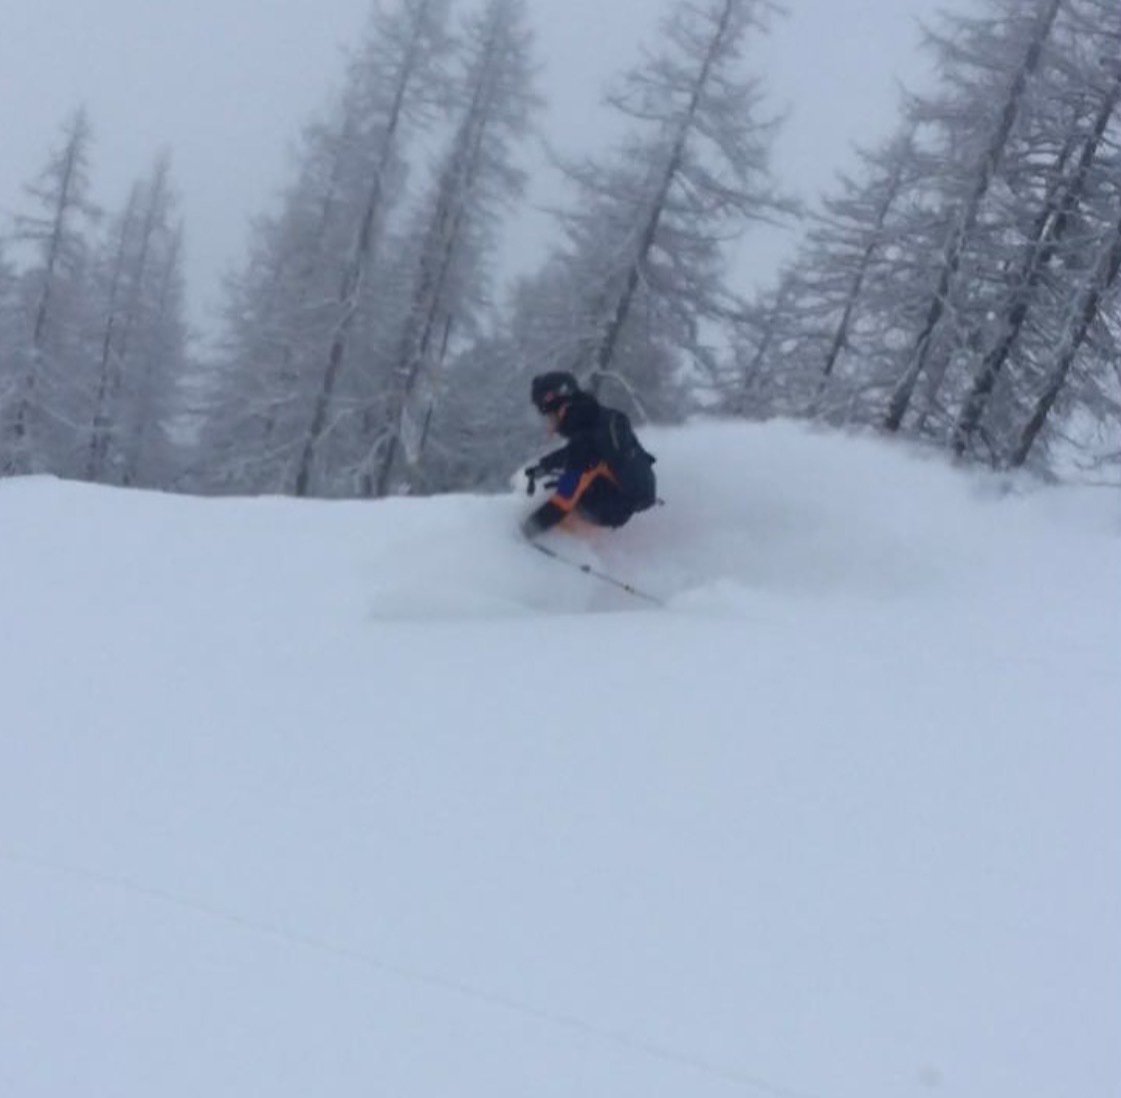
x=535 y=473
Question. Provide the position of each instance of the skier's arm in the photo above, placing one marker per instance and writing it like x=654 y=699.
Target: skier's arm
x=571 y=486
x=557 y=460
x=572 y=462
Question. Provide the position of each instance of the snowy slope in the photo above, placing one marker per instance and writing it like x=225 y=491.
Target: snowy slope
x=369 y=799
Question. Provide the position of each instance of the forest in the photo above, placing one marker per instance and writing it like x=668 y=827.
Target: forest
x=961 y=289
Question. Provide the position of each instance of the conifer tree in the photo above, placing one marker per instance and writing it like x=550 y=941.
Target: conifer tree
x=141 y=344
x=1066 y=226
x=1088 y=308
x=1010 y=61
x=973 y=247
x=446 y=253
x=279 y=312
x=10 y=340
x=52 y=292
x=828 y=336
x=303 y=312
x=642 y=277
x=396 y=71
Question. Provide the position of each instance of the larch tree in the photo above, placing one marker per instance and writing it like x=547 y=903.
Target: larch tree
x=640 y=285
x=1089 y=306
x=10 y=341
x=829 y=339
x=398 y=69
x=116 y=275
x=759 y=382
x=141 y=345
x=1065 y=232
x=302 y=313
x=449 y=244
x=52 y=293
x=972 y=246
x=990 y=62
x=278 y=313
x=161 y=367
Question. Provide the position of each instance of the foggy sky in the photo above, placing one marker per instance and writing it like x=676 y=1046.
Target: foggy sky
x=225 y=86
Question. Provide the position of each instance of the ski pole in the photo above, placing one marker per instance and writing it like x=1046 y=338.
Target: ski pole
x=588 y=570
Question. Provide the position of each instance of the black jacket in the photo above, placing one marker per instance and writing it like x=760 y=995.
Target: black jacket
x=580 y=426
x=581 y=470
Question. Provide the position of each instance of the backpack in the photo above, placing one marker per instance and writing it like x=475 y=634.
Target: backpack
x=631 y=465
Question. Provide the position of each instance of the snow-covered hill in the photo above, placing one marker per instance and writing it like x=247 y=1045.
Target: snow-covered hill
x=370 y=799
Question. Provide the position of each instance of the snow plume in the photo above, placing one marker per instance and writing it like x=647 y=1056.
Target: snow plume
x=349 y=799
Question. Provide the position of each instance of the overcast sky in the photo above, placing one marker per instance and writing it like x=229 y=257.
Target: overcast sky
x=225 y=85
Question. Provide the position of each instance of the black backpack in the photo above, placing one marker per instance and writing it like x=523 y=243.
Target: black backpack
x=631 y=465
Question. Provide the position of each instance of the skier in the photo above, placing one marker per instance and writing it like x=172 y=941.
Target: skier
x=602 y=474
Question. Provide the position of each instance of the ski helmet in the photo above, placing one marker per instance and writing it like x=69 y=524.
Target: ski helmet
x=551 y=390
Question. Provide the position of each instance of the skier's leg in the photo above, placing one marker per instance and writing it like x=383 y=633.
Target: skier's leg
x=603 y=504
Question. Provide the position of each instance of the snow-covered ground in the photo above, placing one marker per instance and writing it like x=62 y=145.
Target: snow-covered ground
x=343 y=800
